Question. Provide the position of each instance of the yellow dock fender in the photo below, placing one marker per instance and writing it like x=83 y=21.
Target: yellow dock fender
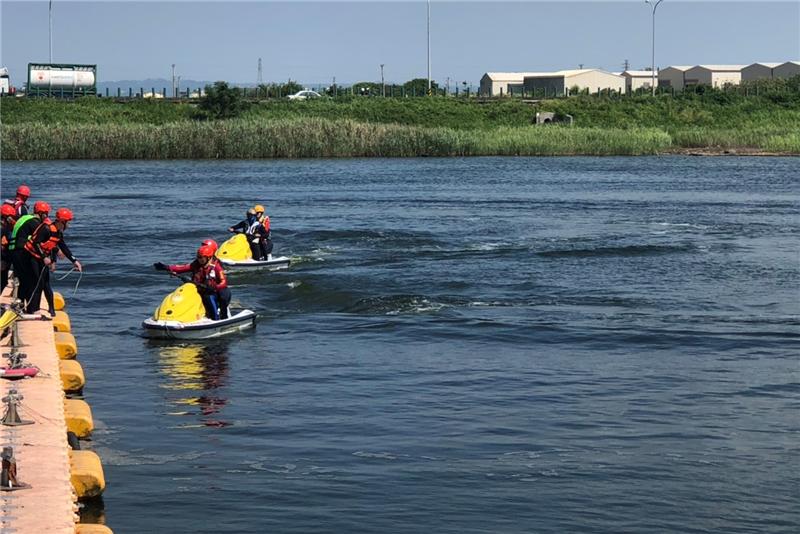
x=79 y=417
x=58 y=301
x=92 y=528
x=72 y=377
x=61 y=322
x=65 y=345
x=86 y=474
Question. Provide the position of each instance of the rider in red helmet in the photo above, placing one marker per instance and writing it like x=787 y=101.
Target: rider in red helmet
x=210 y=243
x=209 y=277
x=9 y=218
x=20 y=207
x=42 y=250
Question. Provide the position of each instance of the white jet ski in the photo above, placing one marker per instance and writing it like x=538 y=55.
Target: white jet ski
x=182 y=315
x=235 y=254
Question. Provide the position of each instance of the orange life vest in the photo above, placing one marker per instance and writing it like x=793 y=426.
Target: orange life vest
x=48 y=246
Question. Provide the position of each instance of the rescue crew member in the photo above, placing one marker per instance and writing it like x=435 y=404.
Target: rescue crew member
x=20 y=207
x=22 y=230
x=9 y=218
x=266 y=241
x=253 y=230
x=211 y=243
x=42 y=247
x=209 y=277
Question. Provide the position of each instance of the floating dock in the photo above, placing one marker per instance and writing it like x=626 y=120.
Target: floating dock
x=48 y=474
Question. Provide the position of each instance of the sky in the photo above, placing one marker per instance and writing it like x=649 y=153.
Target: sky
x=313 y=42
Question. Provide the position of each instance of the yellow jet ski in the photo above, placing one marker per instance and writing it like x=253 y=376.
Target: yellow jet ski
x=235 y=254
x=182 y=315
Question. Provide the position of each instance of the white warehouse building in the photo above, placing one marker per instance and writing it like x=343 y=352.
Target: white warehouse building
x=503 y=83
x=673 y=76
x=635 y=79
x=714 y=75
x=560 y=82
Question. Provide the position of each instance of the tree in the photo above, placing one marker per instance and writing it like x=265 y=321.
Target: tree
x=419 y=86
x=221 y=102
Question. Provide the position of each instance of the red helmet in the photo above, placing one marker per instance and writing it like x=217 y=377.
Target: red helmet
x=211 y=243
x=64 y=214
x=24 y=191
x=205 y=251
x=41 y=207
x=8 y=210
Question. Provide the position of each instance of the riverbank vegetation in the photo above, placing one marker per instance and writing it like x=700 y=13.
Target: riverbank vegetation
x=373 y=126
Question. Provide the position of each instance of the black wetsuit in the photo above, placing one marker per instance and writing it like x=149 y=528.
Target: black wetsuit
x=20 y=259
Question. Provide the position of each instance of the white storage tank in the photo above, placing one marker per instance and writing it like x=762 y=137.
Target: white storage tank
x=54 y=79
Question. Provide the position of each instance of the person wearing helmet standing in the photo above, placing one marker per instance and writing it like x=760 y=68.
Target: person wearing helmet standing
x=265 y=235
x=42 y=248
x=20 y=234
x=209 y=277
x=9 y=218
x=253 y=230
x=19 y=202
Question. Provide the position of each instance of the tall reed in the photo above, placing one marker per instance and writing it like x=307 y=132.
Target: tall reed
x=313 y=138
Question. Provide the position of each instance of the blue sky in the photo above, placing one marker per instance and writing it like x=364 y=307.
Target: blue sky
x=314 y=41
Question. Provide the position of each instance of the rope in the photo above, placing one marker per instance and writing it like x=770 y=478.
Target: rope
x=80 y=276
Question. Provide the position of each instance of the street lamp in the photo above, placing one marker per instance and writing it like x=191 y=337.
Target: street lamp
x=383 y=85
x=653 y=63
x=429 y=47
x=50 y=24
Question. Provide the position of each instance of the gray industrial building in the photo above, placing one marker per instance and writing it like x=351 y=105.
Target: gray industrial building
x=786 y=70
x=758 y=71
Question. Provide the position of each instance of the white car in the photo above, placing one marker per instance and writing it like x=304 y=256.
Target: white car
x=304 y=95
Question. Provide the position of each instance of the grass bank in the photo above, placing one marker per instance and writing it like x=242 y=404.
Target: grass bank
x=352 y=127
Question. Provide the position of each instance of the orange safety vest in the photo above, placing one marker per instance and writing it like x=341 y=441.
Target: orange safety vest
x=48 y=246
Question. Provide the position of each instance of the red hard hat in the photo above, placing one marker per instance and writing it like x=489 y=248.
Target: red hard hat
x=41 y=207
x=206 y=251
x=211 y=243
x=64 y=214
x=8 y=210
x=24 y=191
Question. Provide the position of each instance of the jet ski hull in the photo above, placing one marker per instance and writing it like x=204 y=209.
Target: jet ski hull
x=202 y=329
x=273 y=264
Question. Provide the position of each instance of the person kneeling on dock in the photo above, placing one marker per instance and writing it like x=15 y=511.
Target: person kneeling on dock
x=209 y=277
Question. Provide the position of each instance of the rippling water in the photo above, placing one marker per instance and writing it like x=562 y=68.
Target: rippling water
x=462 y=345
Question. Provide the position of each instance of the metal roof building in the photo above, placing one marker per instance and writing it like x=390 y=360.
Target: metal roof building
x=714 y=75
x=673 y=76
x=635 y=79
x=758 y=71
x=560 y=82
x=502 y=83
x=786 y=70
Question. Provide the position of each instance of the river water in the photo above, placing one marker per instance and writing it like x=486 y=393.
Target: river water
x=461 y=345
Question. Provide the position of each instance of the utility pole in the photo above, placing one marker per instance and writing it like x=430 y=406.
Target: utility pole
x=383 y=85
x=260 y=79
x=50 y=23
x=173 y=81
x=429 y=47
x=653 y=63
